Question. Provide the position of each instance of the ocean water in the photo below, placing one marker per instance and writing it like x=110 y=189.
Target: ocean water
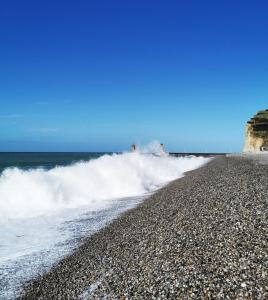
x=50 y=201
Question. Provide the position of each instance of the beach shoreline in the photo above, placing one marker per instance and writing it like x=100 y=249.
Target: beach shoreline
x=201 y=236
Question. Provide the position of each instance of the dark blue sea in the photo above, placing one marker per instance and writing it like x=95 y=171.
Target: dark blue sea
x=46 y=160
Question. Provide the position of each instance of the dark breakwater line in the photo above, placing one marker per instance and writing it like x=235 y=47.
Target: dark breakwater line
x=204 y=154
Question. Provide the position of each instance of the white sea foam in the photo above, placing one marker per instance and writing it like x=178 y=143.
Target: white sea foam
x=93 y=184
x=44 y=212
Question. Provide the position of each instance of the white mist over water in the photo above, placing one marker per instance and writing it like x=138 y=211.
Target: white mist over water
x=41 y=210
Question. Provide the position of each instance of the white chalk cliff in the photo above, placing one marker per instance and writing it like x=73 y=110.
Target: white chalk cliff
x=257 y=133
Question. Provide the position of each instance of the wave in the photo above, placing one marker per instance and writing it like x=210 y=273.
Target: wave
x=93 y=183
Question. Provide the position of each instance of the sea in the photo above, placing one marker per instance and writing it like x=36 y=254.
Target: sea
x=49 y=202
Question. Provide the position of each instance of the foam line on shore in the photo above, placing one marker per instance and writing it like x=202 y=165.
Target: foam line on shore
x=93 y=184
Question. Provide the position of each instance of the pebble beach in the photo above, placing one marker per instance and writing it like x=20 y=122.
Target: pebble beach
x=203 y=236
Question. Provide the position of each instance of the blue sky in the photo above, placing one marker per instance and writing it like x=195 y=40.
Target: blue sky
x=99 y=75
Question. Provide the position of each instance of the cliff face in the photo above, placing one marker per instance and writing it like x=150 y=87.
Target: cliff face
x=257 y=133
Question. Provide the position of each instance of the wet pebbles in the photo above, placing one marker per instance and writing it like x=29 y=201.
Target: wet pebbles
x=204 y=236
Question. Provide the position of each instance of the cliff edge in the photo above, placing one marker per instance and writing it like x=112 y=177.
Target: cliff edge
x=257 y=133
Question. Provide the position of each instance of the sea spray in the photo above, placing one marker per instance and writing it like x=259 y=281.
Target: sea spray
x=44 y=213
x=94 y=183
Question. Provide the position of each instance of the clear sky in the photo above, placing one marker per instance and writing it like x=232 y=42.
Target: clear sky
x=100 y=75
